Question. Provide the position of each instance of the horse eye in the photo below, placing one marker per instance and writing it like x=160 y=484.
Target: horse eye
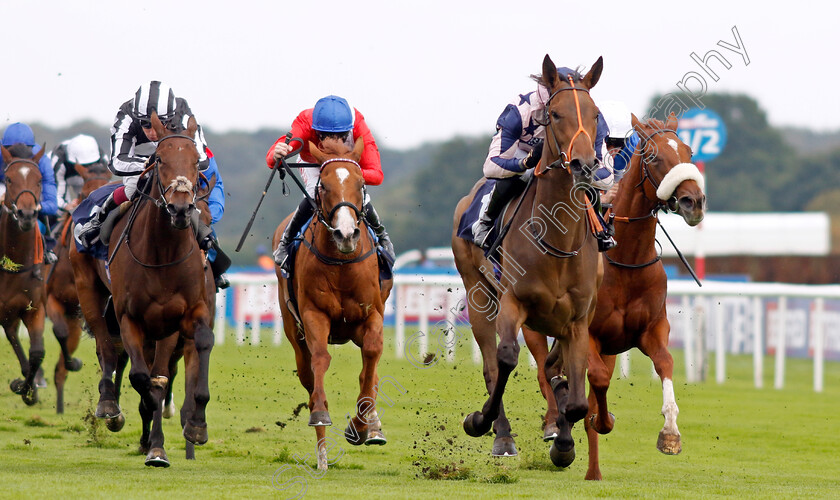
x=555 y=116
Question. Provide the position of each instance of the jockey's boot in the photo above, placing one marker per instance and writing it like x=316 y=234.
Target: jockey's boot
x=88 y=233
x=373 y=221
x=605 y=237
x=48 y=222
x=503 y=191
x=303 y=213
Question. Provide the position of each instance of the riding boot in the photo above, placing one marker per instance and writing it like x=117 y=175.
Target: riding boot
x=605 y=237
x=373 y=221
x=88 y=233
x=503 y=191
x=49 y=241
x=303 y=213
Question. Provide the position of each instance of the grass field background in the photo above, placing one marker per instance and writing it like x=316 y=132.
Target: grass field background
x=738 y=441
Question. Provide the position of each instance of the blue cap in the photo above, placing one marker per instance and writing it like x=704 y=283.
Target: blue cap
x=18 y=133
x=332 y=114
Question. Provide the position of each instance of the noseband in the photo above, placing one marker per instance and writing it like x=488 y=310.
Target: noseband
x=12 y=211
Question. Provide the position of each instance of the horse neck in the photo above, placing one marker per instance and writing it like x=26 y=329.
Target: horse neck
x=16 y=245
x=553 y=200
x=636 y=237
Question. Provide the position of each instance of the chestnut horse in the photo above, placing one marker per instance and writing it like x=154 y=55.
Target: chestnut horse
x=21 y=268
x=631 y=301
x=158 y=284
x=550 y=270
x=62 y=300
x=338 y=294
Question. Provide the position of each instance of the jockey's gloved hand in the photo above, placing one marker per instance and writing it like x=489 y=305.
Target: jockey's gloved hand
x=533 y=158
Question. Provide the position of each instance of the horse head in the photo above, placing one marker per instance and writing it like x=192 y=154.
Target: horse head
x=666 y=162
x=23 y=185
x=340 y=192
x=176 y=170
x=571 y=119
x=95 y=175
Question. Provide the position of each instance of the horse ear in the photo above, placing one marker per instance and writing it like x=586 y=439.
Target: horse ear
x=81 y=169
x=672 y=122
x=38 y=156
x=637 y=125
x=549 y=73
x=157 y=125
x=316 y=153
x=7 y=156
x=358 y=149
x=594 y=74
x=192 y=126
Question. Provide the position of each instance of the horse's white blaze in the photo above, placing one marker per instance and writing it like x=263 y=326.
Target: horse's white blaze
x=181 y=184
x=24 y=171
x=342 y=174
x=673 y=144
x=669 y=408
x=346 y=224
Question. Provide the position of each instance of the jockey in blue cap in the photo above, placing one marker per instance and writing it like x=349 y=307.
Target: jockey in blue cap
x=517 y=147
x=20 y=133
x=620 y=143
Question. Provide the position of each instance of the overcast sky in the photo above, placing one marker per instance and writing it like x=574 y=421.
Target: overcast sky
x=418 y=70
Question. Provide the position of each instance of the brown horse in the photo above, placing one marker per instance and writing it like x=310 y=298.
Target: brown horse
x=549 y=264
x=158 y=283
x=338 y=294
x=631 y=300
x=62 y=300
x=21 y=268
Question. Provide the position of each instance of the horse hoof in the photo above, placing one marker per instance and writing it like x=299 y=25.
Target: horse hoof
x=40 y=381
x=157 y=458
x=169 y=410
x=143 y=449
x=669 y=444
x=107 y=408
x=561 y=458
x=474 y=425
x=353 y=436
x=504 y=446
x=74 y=365
x=18 y=385
x=596 y=424
x=30 y=397
x=375 y=438
x=116 y=424
x=319 y=419
x=195 y=434
x=551 y=432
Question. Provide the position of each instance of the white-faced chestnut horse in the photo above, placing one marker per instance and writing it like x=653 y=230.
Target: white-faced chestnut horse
x=338 y=293
x=550 y=270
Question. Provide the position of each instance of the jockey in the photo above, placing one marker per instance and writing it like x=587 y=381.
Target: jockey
x=517 y=147
x=79 y=150
x=133 y=142
x=331 y=117
x=620 y=143
x=20 y=133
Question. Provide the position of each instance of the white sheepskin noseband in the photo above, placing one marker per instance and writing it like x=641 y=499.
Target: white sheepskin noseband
x=681 y=172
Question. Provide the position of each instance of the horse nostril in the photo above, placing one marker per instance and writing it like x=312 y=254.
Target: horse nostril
x=356 y=233
x=337 y=233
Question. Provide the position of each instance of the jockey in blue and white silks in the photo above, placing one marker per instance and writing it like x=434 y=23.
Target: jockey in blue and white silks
x=517 y=147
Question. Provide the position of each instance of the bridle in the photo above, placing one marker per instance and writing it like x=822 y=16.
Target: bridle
x=325 y=220
x=12 y=209
x=563 y=157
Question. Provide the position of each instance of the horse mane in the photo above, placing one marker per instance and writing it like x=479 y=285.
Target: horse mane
x=653 y=123
x=20 y=150
x=334 y=146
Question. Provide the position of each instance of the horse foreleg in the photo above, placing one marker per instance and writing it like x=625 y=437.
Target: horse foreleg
x=600 y=372
x=34 y=321
x=508 y=323
x=195 y=429
x=538 y=346
x=159 y=371
x=357 y=430
x=654 y=343
x=570 y=392
x=317 y=327
x=11 y=329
